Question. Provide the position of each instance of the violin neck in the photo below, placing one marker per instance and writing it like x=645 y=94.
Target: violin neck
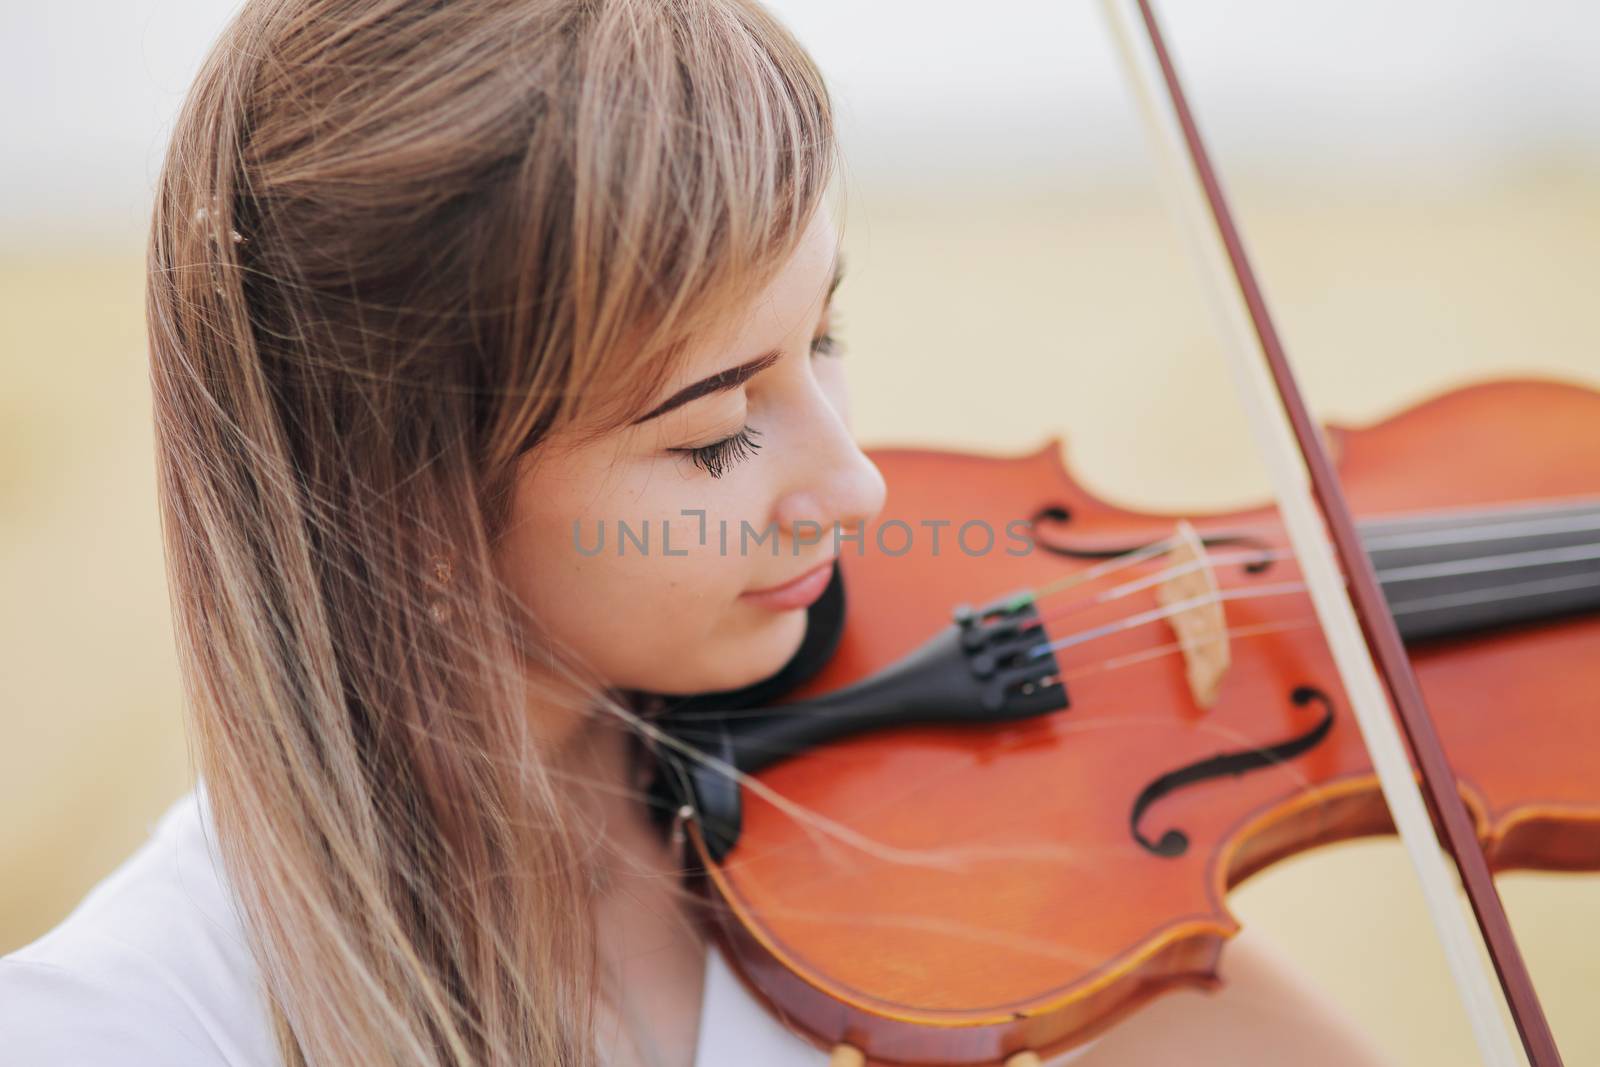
x=1463 y=572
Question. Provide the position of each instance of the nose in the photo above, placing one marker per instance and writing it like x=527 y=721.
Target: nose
x=834 y=484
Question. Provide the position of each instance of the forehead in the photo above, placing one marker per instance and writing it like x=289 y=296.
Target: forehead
x=788 y=305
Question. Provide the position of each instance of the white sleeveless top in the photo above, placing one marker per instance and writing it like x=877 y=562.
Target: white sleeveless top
x=151 y=970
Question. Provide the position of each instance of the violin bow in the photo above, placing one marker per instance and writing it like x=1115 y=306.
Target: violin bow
x=1360 y=630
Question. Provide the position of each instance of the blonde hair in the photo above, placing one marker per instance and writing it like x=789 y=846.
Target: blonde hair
x=395 y=244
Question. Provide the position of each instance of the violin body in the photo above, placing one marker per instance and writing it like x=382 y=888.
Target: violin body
x=965 y=892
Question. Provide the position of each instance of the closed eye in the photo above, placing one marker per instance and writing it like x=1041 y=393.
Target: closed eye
x=719 y=456
x=828 y=343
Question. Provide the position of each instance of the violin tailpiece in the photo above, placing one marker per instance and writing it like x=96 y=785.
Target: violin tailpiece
x=990 y=665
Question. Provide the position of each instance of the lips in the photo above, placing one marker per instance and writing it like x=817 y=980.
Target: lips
x=797 y=592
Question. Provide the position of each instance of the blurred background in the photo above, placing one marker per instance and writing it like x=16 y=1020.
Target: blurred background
x=1419 y=183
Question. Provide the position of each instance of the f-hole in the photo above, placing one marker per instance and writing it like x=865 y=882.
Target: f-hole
x=1174 y=842
x=1060 y=513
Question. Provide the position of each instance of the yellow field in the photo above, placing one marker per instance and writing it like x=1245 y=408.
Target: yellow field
x=1019 y=313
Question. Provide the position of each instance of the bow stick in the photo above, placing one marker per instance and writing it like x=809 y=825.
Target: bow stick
x=1360 y=630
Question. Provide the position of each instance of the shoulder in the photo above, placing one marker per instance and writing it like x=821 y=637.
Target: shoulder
x=151 y=968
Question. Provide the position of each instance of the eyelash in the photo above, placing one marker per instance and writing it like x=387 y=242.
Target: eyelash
x=828 y=344
x=717 y=458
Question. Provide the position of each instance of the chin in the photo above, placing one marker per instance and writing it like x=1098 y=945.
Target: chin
x=753 y=653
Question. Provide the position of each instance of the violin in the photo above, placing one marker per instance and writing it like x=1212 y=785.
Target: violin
x=994 y=843
x=952 y=893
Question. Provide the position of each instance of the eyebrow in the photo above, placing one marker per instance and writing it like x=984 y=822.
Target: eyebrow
x=734 y=377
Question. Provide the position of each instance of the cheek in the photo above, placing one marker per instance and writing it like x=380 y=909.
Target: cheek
x=622 y=579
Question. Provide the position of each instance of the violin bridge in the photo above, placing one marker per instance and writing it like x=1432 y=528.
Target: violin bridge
x=1201 y=627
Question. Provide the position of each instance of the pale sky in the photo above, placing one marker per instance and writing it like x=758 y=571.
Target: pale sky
x=926 y=89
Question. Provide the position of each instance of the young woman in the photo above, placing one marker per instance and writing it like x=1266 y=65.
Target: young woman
x=431 y=287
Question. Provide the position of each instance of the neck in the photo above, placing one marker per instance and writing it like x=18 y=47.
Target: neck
x=1463 y=572
x=651 y=951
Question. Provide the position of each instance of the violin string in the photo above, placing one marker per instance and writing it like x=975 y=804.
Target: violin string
x=1506 y=561
x=1154 y=549
x=1501 y=528
x=1476 y=597
x=1100 y=570
x=1143 y=618
x=1116 y=592
x=1487 y=530
x=1134 y=659
x=1470 y=598
x=1177 y=570
x=1502 y=563
x=1479 y=597
x=1190 y=566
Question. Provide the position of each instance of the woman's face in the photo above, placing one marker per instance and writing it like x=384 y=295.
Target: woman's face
x=659 y=564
